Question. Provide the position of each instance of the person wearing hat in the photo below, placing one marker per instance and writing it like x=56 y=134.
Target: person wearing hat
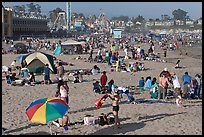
x=163 y=85
x=176 y=85
x=165 y=72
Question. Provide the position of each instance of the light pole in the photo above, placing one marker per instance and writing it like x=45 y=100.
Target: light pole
x=68 y=9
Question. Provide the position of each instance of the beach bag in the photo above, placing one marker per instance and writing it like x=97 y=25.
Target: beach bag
x=103 y=120
x=130 y=98
x=89 y=120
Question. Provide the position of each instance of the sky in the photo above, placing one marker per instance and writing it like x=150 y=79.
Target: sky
x=132 y=9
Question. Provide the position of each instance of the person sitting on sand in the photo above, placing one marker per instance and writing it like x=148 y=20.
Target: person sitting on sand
x=97 y=87
x=13 y=65
x=77 y=77
x=111 y=86
x=154 y=88
x=31 y=78
x=115 y=103
x=177 y=64
x=141 y=82
x=95 y=70
x=148 y=83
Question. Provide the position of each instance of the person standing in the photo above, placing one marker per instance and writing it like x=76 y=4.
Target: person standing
x=103 y=79
x=186 y=81
x=165 y=50
x=90 y=55
x=126 y=52
x=176 y=85
x=115 y=103
x=198 y=87
x=163 y=81
x=109 y=57
x=46 y=74
x=60 y=70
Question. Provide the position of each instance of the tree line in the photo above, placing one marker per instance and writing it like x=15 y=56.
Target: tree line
x=35 y=10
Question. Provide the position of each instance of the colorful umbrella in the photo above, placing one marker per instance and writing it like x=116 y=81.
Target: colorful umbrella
x=46 y=109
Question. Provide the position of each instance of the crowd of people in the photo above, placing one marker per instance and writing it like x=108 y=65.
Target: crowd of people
x=159 y=88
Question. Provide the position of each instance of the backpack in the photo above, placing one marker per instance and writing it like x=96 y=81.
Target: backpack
x=103 y=119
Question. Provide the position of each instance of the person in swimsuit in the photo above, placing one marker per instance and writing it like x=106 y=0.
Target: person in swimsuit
x=63 y=91
x=115 y=103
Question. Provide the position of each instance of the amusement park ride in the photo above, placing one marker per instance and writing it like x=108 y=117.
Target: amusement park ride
x=63 y=22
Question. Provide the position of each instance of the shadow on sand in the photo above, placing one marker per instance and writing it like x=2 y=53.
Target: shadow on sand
x=37 y=133
x=93 y=108
x=21 y=128
x=129 y=127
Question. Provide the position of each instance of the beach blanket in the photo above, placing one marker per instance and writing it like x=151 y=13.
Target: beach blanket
x=125 y=91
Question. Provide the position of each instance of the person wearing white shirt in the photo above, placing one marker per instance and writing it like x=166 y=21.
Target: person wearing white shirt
x=176 y=84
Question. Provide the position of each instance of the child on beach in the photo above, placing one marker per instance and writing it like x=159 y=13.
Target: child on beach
x=46 y=74
x=115 y=103
x=141 y=82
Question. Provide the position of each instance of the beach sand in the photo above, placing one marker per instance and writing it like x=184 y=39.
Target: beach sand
x=136 y=119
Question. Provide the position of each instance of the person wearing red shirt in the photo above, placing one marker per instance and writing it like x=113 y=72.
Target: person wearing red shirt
x=103 y=79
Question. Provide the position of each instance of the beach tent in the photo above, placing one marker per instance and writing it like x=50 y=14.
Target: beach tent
x=72 y=46
x=69 y=46
x=36 y=62
x=57 y=50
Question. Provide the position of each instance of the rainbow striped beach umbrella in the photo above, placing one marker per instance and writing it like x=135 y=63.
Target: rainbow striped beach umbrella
x=46 y=110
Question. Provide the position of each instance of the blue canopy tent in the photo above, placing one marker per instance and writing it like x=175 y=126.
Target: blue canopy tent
x=19 y=58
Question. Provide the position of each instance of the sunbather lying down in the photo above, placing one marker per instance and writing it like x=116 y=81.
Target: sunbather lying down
x=62 y=122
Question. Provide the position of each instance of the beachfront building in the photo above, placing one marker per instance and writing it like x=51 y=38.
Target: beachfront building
x=189 y=22
x=179 y=22
x=7 y=26
x=149 y=23
x=14 y=26
x=29 y=26
x=199 y=21
x=163 y=23
x=129 y=24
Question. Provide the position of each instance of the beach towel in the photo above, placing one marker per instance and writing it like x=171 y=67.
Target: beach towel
x=99 y=102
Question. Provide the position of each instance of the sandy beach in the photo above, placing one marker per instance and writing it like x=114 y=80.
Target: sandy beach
x=136 y=119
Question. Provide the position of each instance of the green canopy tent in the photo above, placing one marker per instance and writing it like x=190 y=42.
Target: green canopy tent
x=36 y=62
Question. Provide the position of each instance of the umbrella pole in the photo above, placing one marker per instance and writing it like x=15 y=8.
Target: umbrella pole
x=49 y=125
